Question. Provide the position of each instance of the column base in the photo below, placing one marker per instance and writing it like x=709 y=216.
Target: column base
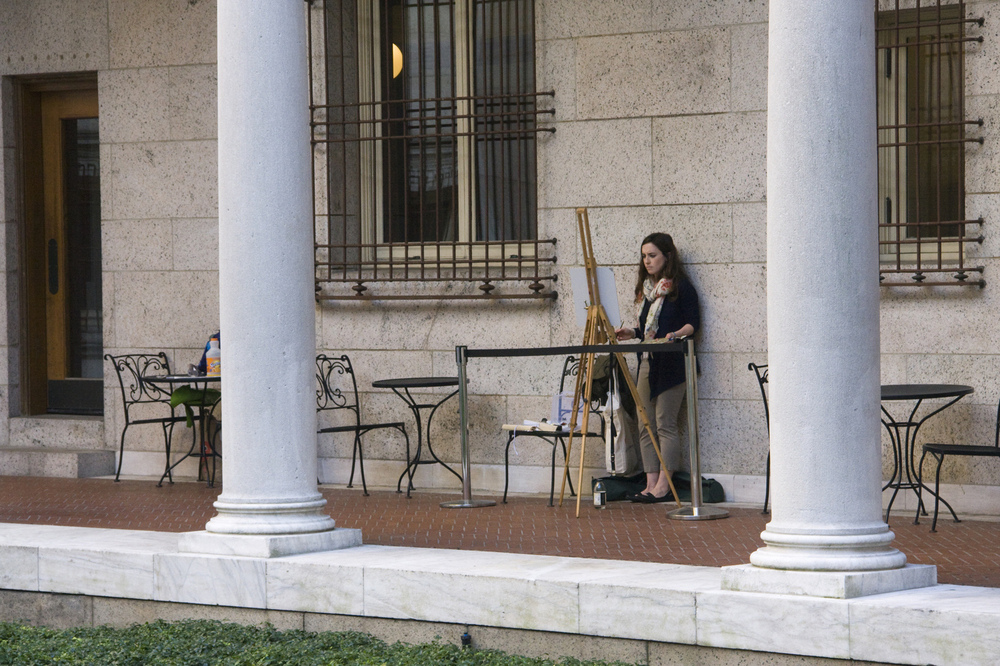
x=830 y=584
x=865 y=547
x=253 y=518
x=267 y=545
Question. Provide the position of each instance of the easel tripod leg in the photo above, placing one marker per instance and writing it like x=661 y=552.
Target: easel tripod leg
x=588 y=393
x=572 y=429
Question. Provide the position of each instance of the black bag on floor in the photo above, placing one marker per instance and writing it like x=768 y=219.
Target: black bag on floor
x=618 y=487
x=711 y=490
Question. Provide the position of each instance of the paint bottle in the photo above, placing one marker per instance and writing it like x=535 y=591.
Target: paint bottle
x=213 y=359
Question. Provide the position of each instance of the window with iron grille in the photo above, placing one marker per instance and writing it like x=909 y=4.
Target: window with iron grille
x=424 y=124
x=922 y=134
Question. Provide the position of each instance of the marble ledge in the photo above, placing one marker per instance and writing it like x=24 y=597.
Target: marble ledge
x=633 y=600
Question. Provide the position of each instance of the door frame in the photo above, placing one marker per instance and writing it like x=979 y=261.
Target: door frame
x=28 y=93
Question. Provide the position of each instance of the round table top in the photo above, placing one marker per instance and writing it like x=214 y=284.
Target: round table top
x=180 y=379
x=415 y=382
x=924 y=391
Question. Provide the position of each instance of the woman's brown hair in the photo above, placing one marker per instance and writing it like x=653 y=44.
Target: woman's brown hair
x=672 y=269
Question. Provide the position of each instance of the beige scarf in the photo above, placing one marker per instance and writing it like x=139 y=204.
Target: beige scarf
x=655 y=295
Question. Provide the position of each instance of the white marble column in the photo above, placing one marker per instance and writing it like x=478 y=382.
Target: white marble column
x=823 y=300
x=270 y=504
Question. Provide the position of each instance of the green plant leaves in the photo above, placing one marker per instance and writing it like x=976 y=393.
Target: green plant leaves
x=211 y=643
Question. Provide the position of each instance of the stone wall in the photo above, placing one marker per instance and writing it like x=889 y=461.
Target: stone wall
x=949 y=335
x=155 y=63
x=661 y=126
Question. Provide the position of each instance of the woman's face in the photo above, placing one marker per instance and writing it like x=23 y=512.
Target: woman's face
x=653 y=259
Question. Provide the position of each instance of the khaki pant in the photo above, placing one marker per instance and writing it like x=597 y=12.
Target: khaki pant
x=663 y=414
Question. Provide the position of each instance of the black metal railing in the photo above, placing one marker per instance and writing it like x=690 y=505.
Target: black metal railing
x=424 y=118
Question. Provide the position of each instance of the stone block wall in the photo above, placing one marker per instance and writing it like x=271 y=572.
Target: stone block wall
x=661 y=126
x=63 y=38
x=159 y=184
x=661 y=121
x=155 y=64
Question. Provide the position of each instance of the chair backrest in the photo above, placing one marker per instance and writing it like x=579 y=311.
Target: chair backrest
x=571 y=368
x=131 y=368
x=761 y=372
x=338 y=388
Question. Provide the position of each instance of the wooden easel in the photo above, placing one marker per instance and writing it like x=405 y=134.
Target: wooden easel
x=597 y=331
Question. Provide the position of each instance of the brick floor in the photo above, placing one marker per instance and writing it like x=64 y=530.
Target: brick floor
x=967 y=553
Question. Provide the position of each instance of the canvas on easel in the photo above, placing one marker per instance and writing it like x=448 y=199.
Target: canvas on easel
x=606 y=289
x=598 y=330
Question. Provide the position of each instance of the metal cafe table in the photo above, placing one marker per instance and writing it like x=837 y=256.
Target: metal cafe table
x=903 y=434
x=205 y=451
x=401 y=387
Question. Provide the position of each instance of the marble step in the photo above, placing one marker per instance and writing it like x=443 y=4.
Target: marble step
x=70 y=433
x=67 y=463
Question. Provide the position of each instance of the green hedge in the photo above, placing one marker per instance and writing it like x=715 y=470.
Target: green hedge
x=205 y=643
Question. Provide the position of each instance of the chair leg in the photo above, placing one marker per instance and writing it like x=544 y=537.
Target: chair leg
x=354 y=457
x=937 y=490
x=121 y=453
x=569 y=477
x=919 y=490
x=767 y=483
x=408 y=471
x=506 y=465
x=552 y=482
x=361 y=463
x=214 y=453
x=168 y=437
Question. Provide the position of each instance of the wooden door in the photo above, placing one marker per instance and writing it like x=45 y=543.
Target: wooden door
x=63 y=252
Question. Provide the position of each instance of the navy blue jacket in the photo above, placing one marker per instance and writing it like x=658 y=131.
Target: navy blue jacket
x=666 y=369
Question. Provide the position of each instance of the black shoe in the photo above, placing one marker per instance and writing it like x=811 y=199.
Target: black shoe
x=653 y=499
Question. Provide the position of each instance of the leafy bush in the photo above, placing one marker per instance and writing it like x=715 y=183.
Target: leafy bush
x=209 y=643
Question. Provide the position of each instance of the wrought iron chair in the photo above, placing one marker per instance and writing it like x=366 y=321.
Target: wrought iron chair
x=761 y=372
x=939 y=451
x=140 y=396
x=338 y=390
x=571 y=368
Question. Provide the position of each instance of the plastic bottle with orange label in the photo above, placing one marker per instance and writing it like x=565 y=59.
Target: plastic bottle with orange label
x=213 y=359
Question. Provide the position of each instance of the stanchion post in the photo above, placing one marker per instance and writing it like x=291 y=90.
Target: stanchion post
x=463 y=415
x=696 y=511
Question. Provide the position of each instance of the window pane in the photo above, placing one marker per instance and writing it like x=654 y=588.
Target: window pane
x=921 y=137
x=934 y=101
x=419 y=162
x=83 y=248
x=504 y=80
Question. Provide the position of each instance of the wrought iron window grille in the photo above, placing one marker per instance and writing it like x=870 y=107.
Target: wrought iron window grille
x=424 y=119
x=922 y=134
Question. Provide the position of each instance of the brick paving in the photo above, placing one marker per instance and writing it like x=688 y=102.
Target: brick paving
x=967 y=553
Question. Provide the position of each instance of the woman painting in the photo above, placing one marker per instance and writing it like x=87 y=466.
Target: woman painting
x=667 y=307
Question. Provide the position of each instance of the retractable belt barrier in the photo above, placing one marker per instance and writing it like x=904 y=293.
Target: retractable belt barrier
x=683 y=346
